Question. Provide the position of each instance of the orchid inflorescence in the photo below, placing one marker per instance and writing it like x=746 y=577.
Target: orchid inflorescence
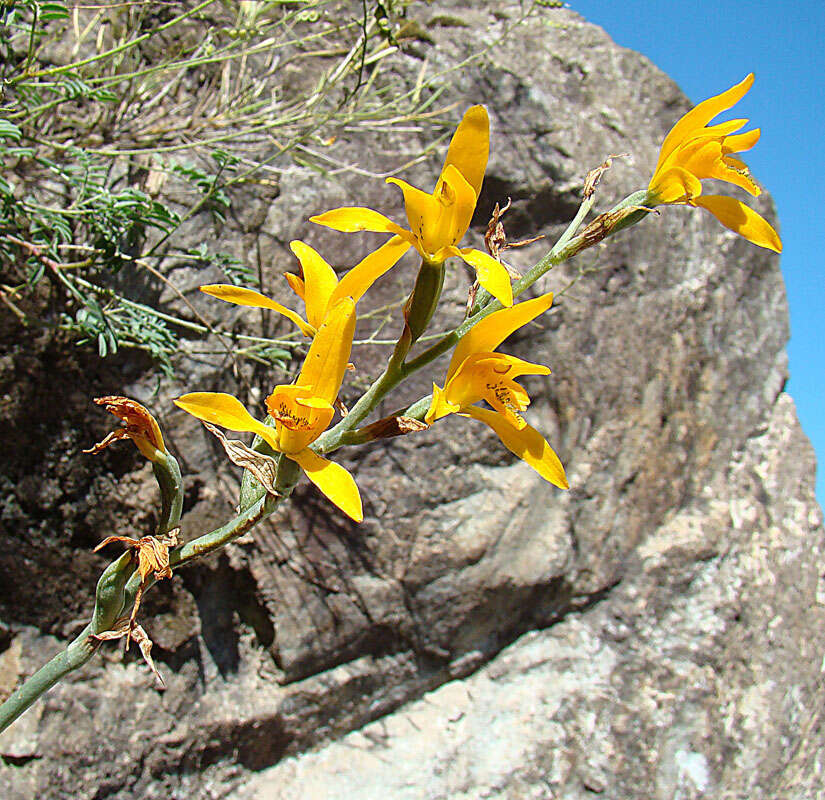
x=299 y=413
x=297 y=432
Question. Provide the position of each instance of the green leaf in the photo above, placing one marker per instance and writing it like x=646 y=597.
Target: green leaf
x=50 y=11
x=106 y=96
x=17 y=152
x=9 y=130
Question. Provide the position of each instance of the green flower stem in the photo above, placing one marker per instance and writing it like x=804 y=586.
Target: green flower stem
x=66 y=661
x=419 y=409
x=640 y=198
x=417 y=314
x=220 y=537
x=116 y=591
x=424 y=297
x=385 y=383
x=566 y=246
x=110 y=600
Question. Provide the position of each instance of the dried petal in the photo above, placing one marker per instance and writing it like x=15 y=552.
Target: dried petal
x=152 y=556
x=263 y=468
x=593 y=177
x=125 y=628
x=391 y=426
x=141 y=427
x=144 y=643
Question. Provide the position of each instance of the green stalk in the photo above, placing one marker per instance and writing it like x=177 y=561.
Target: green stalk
x=110 y=600
x=564 y=247
x=115 y=50
x=424 y=297
x=119 y=583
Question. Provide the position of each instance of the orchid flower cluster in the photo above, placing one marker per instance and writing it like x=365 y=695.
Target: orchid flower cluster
x=299 y=413
x=297 y=433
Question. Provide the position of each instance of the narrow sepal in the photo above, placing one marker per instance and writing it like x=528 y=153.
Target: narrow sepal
x=742 y=219
x=228 y=412
x=333 y=480
x=488 y=334
x=249 y=297
x=351 y=219
x=329 y=352
x=355 y=282
x=470 y=147
x=526 y=443
x=320 y=281
x=491 y=274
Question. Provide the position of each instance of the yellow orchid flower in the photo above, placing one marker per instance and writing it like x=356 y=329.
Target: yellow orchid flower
x=438 y=221
x=302 y=411
x=477 y=373
x=694 y=150
x=319 y=288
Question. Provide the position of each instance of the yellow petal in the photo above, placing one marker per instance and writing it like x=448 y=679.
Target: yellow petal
x=741 y=141
x=333 y=480
x=742 y=219
x=423 y=214
x=459 y=201
x=734 y=171
x=701 y=115
x=329 y=352
x=440 y=406
x=520 y=367
x=320 y=281
x=351 y=219
x=491 y=274
x=528 y=444
x=439 y=220
x=673 y=185
x=296 y=283
x=491 y=377
x=723 y=128
x=226 y=411
x=367 y=271
x=249 y=297
x=706 y=160
x=300 y=416
x=717 y=132
x=488 y=334
x=470 y=147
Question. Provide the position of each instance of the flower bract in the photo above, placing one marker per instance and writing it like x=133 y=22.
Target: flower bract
x=695 y=150
x=478 y=373
x=439 y=220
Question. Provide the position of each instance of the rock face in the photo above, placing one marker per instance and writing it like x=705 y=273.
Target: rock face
x=653 y=633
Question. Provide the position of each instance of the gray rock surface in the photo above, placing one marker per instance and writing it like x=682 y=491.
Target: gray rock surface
x=653 y=633
x=683 y=681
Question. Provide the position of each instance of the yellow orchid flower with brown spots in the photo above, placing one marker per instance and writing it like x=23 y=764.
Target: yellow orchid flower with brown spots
x=694 y=150
x=477 y=373
x=302 y=411
x=438 y=221
x=319 y=287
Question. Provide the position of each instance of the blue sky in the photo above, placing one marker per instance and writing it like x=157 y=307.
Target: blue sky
x=707 y=47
